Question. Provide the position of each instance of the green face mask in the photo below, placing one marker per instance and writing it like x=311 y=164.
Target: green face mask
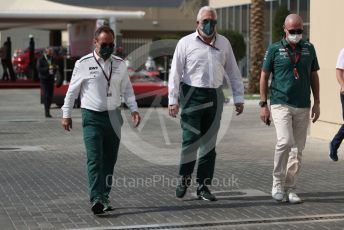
x=208 y=26
x=106 y=50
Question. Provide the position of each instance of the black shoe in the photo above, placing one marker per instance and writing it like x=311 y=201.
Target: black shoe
x=97 y=207
x=333 y=153
x=203 y=193
x=183 y=186
x=48 y=115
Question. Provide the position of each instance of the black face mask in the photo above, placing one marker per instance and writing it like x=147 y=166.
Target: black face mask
x=106 y=50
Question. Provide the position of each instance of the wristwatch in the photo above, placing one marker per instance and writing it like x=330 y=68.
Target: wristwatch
x=263 y=104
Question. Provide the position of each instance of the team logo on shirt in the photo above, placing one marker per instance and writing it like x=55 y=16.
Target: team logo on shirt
x=92 y=67
x=93 y=70
x=283 y=52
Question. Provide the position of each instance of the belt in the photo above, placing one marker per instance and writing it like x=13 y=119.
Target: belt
x=101 y=112
x=201 y=88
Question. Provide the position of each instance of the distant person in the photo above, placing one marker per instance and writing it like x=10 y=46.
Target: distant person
x=150 y=64
x=32 y=60
x=8 y=59
x=102 y=80
x=338 y=138
x=47 y=68
x=294 y=66
x=3 y=56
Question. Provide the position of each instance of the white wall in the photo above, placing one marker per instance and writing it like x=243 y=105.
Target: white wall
x=327 y=35
x=20 y=37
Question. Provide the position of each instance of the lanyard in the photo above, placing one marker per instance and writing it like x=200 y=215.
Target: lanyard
x=294 y=61
x=213 y=46
x=108 y=78
x=49 y=60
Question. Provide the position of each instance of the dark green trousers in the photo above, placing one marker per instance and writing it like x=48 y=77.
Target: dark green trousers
x=200 y=121
x=102 y=133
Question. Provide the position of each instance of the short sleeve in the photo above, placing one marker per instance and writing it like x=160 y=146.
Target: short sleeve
x=268 y=59
x=315 y=64
x=340 y=60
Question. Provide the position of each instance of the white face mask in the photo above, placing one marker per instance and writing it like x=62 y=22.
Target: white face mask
x=294 y=38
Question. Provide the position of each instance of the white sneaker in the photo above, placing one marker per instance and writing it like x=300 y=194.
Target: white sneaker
x=293 y=198
x=277 y=192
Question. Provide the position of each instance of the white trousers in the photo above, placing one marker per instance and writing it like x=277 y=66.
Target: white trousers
x=291 y=129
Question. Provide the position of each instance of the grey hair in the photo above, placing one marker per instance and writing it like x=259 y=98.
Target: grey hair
x=206 y=8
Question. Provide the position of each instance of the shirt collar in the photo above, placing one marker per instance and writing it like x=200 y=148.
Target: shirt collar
x=96 y=55
x=98 y=58
x=197 y=34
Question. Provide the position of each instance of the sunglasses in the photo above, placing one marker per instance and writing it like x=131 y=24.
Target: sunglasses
x=297 y=31
x=107 y=44
x=206 y=21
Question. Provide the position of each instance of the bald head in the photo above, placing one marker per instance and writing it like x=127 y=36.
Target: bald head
x=293 y=28
x=293 y=20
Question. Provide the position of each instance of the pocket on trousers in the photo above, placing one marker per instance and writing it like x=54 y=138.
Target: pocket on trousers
x=276 y=106
x=83 y=117
x=187 y=93
x=87 y=118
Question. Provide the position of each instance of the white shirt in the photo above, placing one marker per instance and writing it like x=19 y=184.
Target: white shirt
x=88 y=79
x=201 y=65
x=340 y=60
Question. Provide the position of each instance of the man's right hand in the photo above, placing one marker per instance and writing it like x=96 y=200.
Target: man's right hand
x=67 y=123
x=265 y=115
x=173 y=110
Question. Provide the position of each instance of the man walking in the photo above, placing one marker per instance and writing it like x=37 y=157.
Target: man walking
x=101 y=78
x=47 y=67
x=201 y=62
x=3 y=56
x=294 y=65
x=7 y=61
x=32 y=60
x=338 y=138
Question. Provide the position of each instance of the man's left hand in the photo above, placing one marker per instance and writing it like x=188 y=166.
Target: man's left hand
x=342 y=89
x=315 y=112
x=135 y=118
x=239 y=108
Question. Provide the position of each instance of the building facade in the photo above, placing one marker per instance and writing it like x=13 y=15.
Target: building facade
x=162 y=20
x=235 y=15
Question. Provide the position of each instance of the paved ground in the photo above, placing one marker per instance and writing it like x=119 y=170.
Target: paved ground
x=43 y=182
